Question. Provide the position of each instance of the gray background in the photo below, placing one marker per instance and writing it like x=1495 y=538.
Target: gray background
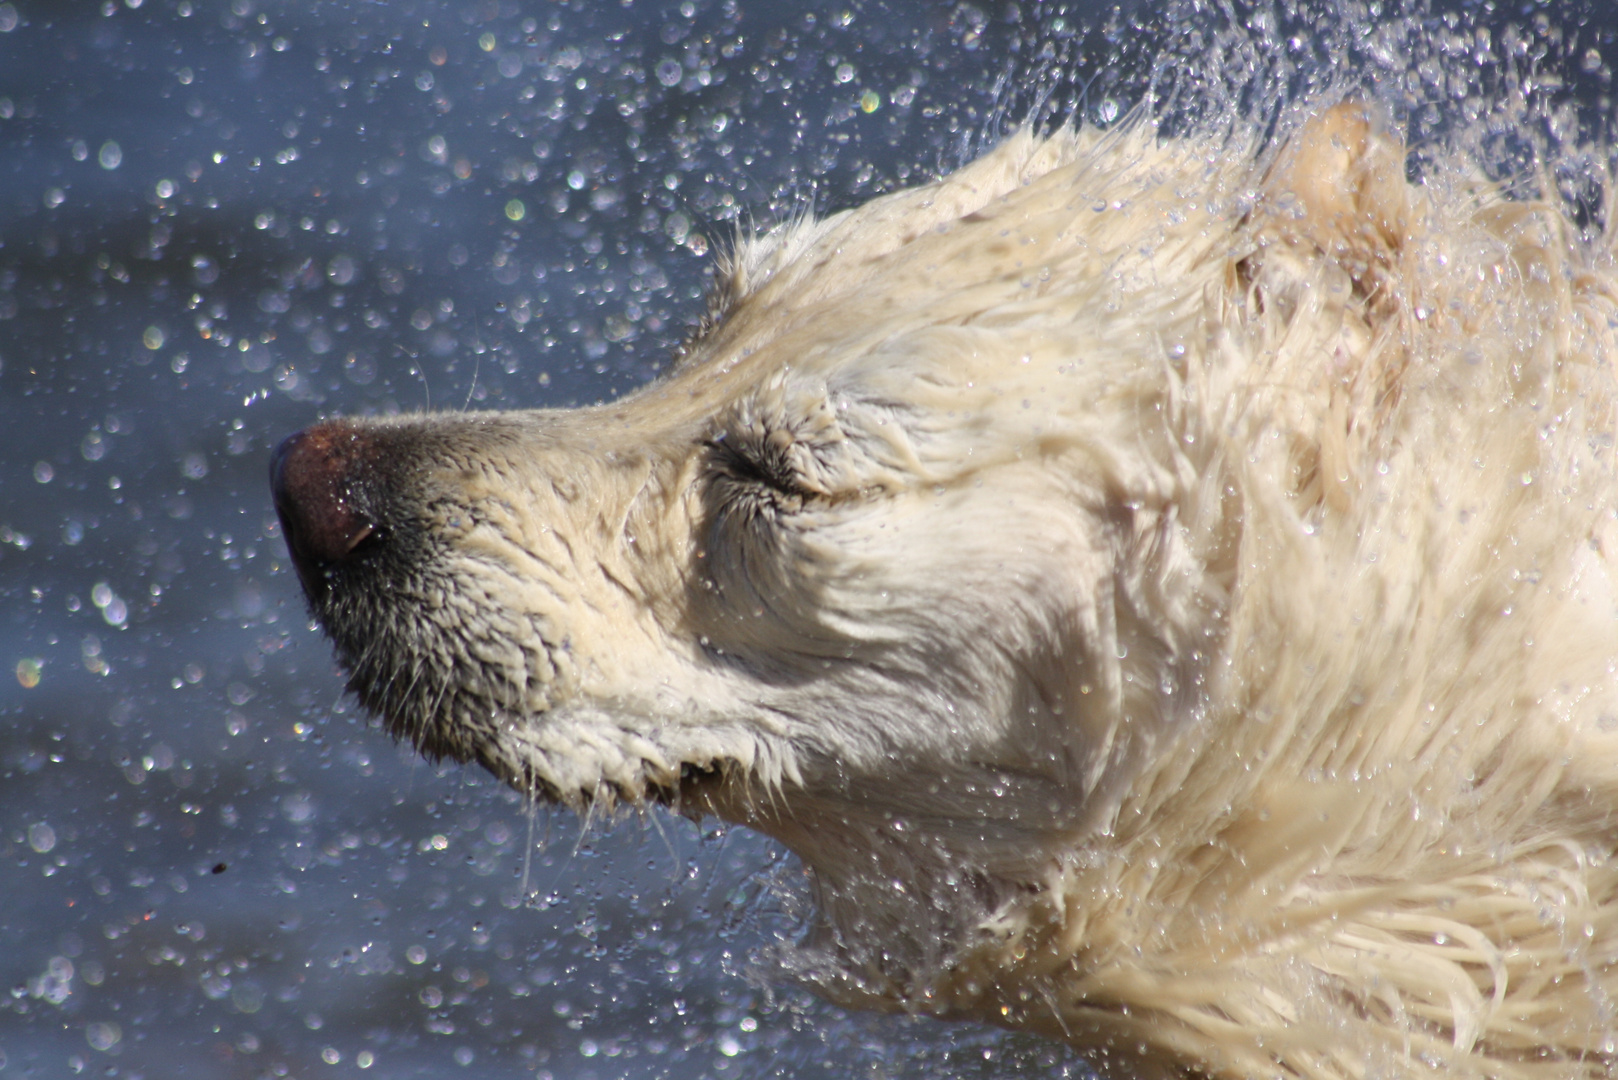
x=221 y=219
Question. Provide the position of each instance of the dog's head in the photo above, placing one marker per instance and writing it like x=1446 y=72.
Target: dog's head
x=900 y=537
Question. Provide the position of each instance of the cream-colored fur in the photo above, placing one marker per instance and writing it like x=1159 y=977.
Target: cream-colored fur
x=1163 y=593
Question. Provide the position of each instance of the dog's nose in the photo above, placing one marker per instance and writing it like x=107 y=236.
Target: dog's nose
x=313 y=477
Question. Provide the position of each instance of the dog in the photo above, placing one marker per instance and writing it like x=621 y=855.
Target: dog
x=1161 y=588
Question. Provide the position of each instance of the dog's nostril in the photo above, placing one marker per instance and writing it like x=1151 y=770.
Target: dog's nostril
x=366 y=536
x=312 y=478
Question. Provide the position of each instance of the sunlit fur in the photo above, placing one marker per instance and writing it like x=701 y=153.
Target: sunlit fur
x=1161 y=590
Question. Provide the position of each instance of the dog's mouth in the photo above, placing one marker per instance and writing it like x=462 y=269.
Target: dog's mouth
x=698 y=790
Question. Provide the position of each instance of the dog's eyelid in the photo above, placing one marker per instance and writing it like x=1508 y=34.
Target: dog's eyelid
x=753 y=463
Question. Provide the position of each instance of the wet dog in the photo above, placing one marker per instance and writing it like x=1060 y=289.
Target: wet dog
x=1161 y=589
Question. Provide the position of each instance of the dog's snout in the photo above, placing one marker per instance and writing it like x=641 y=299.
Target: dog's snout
x=314 y=475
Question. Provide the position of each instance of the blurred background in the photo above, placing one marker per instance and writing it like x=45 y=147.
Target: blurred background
x=222 y=219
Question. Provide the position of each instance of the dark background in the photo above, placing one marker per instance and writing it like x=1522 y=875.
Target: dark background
x=220 y=219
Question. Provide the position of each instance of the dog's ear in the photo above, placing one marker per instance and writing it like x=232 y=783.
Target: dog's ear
x=1338 y=187
x=1327 y=283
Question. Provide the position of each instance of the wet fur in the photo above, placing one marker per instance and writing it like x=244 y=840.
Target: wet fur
x=1161 y=590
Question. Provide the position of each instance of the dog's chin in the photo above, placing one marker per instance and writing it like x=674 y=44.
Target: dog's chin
x=698 y=789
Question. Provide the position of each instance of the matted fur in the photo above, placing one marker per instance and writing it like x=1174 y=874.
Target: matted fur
x=1162 y=592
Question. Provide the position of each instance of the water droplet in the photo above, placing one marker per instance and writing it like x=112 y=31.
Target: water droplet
x=342 y=270
x=29 y=670
x=298 y=808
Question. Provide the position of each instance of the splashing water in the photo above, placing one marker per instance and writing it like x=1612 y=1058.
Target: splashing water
x=226 y=217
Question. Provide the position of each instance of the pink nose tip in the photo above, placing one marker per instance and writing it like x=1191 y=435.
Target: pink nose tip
x=312 y=477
